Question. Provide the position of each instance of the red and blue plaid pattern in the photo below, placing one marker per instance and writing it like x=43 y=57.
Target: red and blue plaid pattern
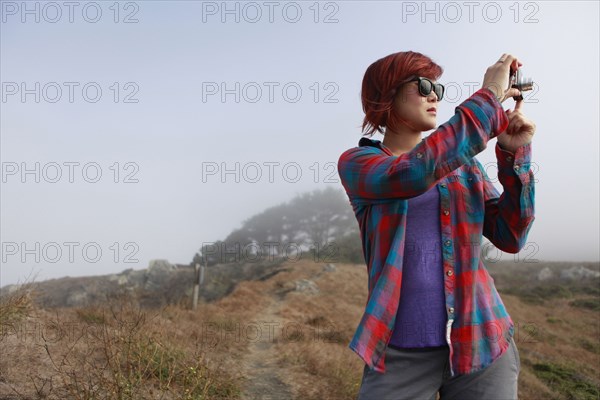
x=378 y=183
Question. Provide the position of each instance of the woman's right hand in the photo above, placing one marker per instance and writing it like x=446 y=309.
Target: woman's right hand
x=497 y=77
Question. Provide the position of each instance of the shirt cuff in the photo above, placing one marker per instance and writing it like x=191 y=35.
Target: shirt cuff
x=505 y=150
x=518 y=162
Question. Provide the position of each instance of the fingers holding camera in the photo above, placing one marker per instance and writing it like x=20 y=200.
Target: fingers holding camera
x=511 y=92
x=497 y=77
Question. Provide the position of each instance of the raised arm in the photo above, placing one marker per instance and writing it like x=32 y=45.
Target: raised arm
x=370 y=176
x=509 y=216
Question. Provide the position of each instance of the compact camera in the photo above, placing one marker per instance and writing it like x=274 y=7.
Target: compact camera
x=517 y=80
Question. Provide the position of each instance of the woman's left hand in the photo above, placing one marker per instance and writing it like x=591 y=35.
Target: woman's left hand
x=520 y=129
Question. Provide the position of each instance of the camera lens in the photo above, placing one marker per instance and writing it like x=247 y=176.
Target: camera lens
x=525 y=85
x=522 y=83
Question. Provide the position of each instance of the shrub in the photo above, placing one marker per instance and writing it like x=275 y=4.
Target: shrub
x=567 y=381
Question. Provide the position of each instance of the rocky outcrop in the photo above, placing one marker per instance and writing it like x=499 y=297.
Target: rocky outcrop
x=160 y=284
x=329 y=268
x=307 y=286
x=545 y=274
x=578 y=273
x=158 y=272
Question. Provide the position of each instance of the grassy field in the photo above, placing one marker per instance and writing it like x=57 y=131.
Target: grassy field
x=273 y=338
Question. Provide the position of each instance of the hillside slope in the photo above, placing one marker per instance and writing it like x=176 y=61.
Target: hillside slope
x=283 y=337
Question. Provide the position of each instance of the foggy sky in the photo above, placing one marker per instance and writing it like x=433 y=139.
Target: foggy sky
x=152 y=128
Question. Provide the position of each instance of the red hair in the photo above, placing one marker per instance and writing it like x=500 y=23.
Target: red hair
x=380 y=85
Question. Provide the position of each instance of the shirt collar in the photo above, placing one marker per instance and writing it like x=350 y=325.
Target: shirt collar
x=364 y=141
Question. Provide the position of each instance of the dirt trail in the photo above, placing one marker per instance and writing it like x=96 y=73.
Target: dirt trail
x=260 y=364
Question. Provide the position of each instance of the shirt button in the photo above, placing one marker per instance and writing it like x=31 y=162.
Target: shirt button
x=447 y=243
x=449 y=272
x=451 y=310
x=446 y=212
x=419 y=155
x=509 y=158
x=443 y=185
x=517 y=167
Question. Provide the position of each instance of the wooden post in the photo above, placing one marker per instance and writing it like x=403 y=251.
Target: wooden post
x=202 y=273
x=198 y=281
x=196 y=287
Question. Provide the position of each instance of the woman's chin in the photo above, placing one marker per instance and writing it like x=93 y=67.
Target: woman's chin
x=429 y=125
x=433 y=123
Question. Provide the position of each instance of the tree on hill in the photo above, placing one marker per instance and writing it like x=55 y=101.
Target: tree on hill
x=315 y=220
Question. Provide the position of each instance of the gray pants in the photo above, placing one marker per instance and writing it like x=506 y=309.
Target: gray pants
x=420 y=375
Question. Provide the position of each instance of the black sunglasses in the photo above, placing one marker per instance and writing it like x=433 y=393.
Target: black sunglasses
x=426 y=86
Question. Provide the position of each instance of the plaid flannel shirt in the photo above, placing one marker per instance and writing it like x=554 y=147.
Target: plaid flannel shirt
x=378 y=185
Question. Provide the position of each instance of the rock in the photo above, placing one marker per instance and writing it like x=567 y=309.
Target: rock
x=329 y=268
x=135 y=278
x=158 y=272
x=579 y=273
x=123 y=280
x=305 y=285
x=160 y=265
x=545 y=274
x=77 y=298
x=11 y=288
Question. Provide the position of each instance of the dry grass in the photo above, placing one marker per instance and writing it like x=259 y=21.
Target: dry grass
x=557 y=340
x=556 y=335
x=121 y=351
x=322 y=365
x=15 y=306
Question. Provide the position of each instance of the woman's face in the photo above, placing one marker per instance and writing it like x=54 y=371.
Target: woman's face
x=420 y=111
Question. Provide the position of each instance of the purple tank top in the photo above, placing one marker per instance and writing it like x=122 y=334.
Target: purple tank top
x=421 y=316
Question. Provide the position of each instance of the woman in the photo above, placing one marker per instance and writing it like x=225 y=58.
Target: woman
x=434 y=322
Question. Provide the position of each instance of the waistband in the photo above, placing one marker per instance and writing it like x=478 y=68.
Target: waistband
x=418 y=349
